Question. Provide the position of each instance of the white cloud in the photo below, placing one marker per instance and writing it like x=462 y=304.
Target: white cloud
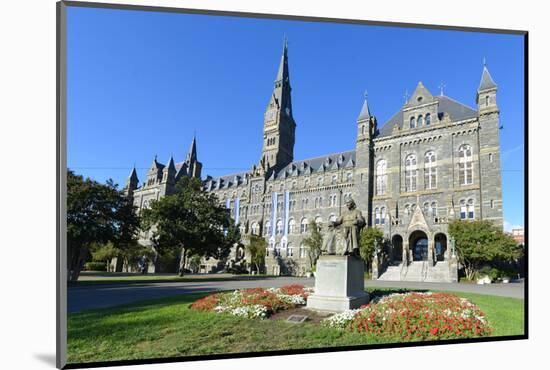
x=509 y=226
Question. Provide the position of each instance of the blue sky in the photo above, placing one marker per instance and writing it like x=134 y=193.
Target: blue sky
x=141 y=84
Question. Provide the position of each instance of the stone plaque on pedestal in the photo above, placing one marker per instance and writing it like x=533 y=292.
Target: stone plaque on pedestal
x=339 y=284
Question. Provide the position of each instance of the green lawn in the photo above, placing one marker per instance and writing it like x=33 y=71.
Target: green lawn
x=166 y=327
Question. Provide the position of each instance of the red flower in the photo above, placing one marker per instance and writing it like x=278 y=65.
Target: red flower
x=434 y=331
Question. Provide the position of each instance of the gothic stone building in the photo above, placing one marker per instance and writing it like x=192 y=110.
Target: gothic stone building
x=433 y=161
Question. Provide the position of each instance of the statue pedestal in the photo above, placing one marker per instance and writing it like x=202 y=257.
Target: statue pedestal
x=339 y=284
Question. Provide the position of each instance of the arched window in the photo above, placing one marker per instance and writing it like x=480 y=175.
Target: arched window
x=255 y=228
x=277 y=250
x=471 y=209
x=463 y=209
x=303 y=249
x=487 y=100
x=411 y=173
x=291 y=226
x=333 y=179
x=376 y=216
x=492 y=203
x=428 y=119
x=430 y=170
x=382 y=215
x=381 y=177
x=434 y=209
x=304 y=226
x=412 y=123
x=279 y=227
x=290 y=250
x=320 y=181
x=407 y=209
x=426 y=208
x=491 y=157
x=465 y=165
x=306 y=183
x=349 y=177
x=267 y=228
x=319 y=222
x=420 y=121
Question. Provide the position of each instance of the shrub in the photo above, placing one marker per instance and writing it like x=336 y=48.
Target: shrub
x=95 y=266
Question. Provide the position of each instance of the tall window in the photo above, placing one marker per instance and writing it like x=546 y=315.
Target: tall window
x=430 y=170
x=332 y=200
x=333 y=179
x=291 y=226
x=279 y=227
x=290 y=250
x=487 y=100
x=320 y=181
x=471 y=209
x=426 y=208
x=255 y=228
x=377 y=216
x=465 y=165
x=349 y=177
x=302 y=251
x=381 y=177
x=383 y=215
x=304 y=226
x=420 y=121
x=428 y=119
x=411 y=173
x=407 y=209
x=412 y=123
x=434 y=209
x=268 y=228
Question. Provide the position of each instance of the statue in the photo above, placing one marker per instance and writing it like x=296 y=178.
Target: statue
x=345 y=231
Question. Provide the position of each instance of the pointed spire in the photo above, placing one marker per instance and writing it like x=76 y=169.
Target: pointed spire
x=365 y=111
x=171 y=166
x=192 y=154
x=486 y=82
x=133 y=175
x=282 y=73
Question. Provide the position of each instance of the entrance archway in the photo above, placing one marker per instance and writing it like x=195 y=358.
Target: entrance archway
x=418 y=243
x=397 y=248
x=440 y=247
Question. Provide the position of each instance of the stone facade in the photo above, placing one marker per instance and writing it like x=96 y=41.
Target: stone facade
x=434 y=160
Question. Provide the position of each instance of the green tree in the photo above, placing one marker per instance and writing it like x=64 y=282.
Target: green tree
x=481 y=242
x=257 y=249
x=369 y=237
x=190 y=222
x=314 y=244
x=96 y=213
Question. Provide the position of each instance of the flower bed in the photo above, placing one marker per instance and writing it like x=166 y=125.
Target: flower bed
x=415 y=316
x=256 y=302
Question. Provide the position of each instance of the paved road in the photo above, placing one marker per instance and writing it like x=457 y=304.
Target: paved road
x=101 y=296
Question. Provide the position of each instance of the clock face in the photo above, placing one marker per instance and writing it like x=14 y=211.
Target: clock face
x=270 y=115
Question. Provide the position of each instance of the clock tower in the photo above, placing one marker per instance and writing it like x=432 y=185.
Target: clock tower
x=279 y=125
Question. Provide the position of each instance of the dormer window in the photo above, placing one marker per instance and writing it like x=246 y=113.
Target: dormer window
x=412 y=122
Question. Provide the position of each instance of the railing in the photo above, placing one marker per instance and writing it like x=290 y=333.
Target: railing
x=405 y=268
x=424 y=272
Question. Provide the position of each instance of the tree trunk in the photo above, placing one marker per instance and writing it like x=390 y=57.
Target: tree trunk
x=76 y=262
x=182 y=261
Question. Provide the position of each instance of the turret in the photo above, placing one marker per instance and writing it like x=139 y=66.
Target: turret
x=364 y=156
x=131 y=183
x=486 y=97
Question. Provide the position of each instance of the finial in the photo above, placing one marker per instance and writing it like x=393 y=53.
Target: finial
x=441 y=87
x=155 y=157
x=366 y=94
x=285 y=41
x=484 y=62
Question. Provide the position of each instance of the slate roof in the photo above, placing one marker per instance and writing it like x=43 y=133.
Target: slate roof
x=456 y=111
x=297 y=168
x=486 y=82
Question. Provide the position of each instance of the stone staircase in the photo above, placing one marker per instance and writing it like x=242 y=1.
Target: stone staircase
x=417 y=271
